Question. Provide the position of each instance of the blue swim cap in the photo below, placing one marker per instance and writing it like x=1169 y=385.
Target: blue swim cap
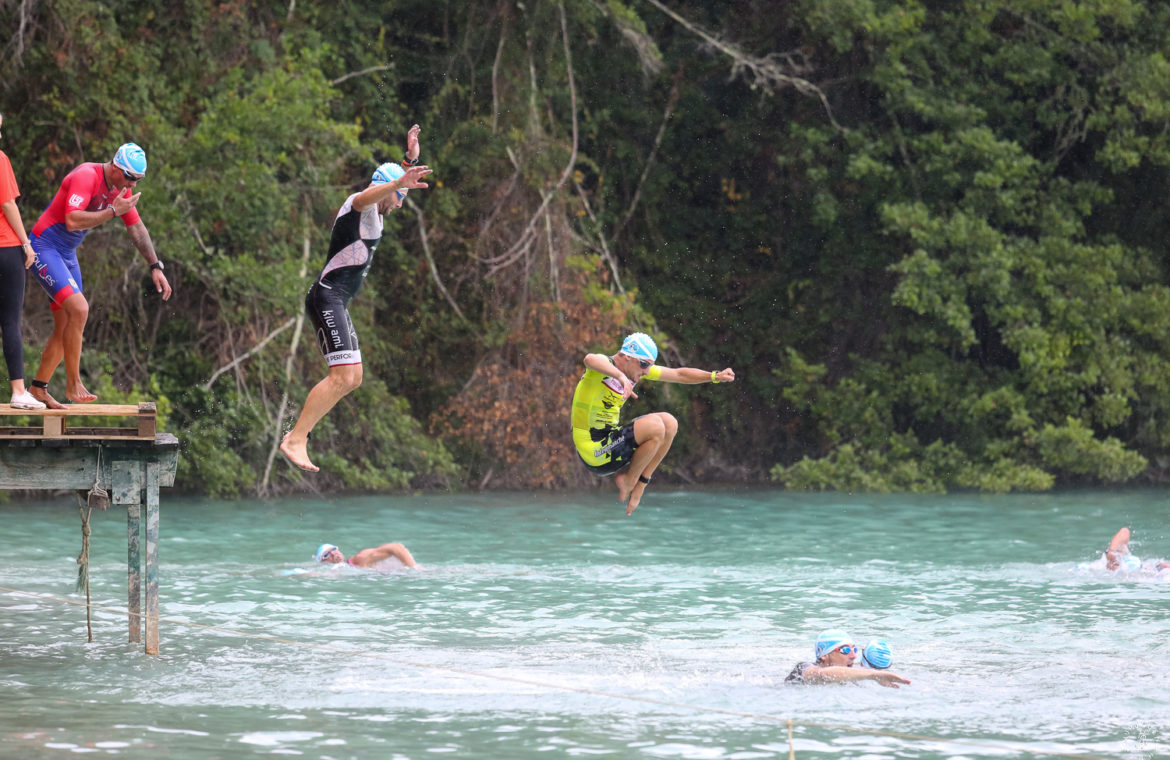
x=830 y=640
x=1130 y=564
x=388 y=172
x=640 y=346
x=132 y=159
x=877 y=655
x=322 y=550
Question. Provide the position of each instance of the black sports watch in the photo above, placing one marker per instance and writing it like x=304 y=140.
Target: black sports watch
x=158 y=265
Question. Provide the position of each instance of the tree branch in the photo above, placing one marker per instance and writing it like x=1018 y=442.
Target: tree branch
x=767 y=69
x=353 y=74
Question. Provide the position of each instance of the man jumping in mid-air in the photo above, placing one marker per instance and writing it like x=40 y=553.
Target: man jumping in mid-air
x=356 y=232
x=632 y=452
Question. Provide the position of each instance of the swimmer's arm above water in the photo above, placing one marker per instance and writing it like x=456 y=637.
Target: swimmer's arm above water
x=841 y=674
x=368 y=557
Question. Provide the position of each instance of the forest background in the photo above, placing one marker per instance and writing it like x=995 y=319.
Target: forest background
x=928 y=236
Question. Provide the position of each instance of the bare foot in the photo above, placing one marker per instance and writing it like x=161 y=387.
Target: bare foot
x=623 y=488
x=42 y=395
x=298 y=454
x=78 y=394
x=635 y=498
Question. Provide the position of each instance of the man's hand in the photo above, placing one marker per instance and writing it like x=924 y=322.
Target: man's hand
x=890 y=680
x=123 y=203
x=412 y=143
x=627 y=388
x=725 y=376
x=160 y=282
x=29 y=256
x=410 y=180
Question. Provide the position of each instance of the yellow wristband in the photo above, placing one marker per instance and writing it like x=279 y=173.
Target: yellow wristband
x=713 y=378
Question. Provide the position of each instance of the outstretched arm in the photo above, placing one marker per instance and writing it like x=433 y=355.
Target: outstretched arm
x=375 y=194
x=367 y=557
x=841 y=674
x=692 y=376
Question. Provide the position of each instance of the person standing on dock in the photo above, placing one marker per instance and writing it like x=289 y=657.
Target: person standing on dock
x=90 y=195
x=16 y=255
x=632 y=452
x=356 y=232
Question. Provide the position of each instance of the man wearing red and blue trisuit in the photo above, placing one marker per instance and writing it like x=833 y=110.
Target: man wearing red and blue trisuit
x=89 y=195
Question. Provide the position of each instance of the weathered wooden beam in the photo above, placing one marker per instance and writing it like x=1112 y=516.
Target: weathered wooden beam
x=134 y=572
x=132 y=471
x=150 y=496
x=54 y=422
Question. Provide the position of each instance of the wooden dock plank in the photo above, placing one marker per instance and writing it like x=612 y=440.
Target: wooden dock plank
x=142 y=425
x=78 y=410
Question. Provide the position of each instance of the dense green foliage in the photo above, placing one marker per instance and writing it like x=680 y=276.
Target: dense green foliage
x=925 y=235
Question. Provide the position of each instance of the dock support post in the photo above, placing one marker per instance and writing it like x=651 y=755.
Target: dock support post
x=151 y=494
x=134 y=571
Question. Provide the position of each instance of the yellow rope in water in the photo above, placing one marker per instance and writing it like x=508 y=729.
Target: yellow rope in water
x=577 y=689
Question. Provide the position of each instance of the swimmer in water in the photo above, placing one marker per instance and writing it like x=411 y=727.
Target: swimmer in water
x=329 y=554
x=1117 y=556
x=835 y=653
x=876 y=655
x=632 y=452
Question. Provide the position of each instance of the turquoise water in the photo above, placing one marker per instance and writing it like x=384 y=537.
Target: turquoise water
x=553 y=626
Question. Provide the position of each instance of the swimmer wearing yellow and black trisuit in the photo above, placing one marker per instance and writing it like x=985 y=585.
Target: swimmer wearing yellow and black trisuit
x=632 y=452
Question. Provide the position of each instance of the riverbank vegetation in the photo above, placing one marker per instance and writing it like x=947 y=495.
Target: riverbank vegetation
x=929 y=237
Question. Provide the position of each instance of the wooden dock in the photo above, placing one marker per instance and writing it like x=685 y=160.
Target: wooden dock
x=131 y=462
x=142 y=425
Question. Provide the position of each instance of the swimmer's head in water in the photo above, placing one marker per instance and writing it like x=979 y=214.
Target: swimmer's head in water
x=640 y=346
x=324 y=550
x=830 y=640
x=388 y=172
x=877 y=655
x=1130 y=564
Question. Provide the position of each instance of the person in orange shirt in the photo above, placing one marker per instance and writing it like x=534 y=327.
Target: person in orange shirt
x=16 y=255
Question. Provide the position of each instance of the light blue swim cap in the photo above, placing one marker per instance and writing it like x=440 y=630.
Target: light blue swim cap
x=640 y=346
x=1130 y=564
x=877 y=655
x=322 y=550
x=830 y=640
x=132 y=159
x=388 y=172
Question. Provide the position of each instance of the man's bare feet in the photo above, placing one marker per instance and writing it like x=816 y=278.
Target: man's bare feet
x=298 y=453
x=42 y=395
x=635 y=498
x=78 y=394
x=622 y=479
